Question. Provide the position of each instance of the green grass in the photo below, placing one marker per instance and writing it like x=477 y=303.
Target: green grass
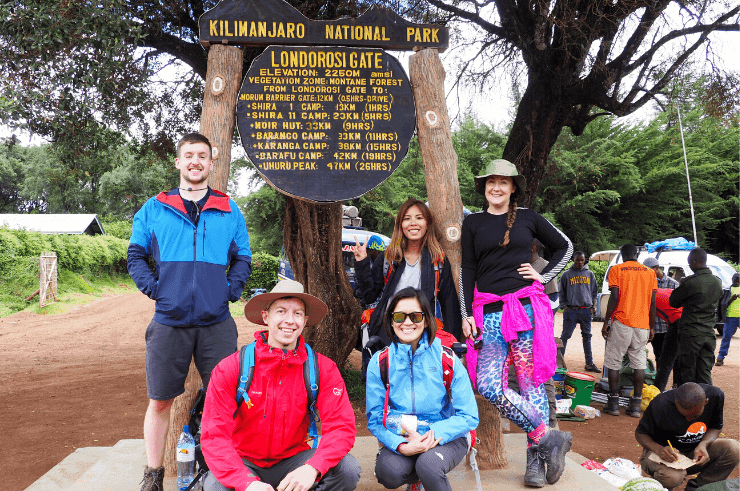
x=353 y=380
x=72 y=290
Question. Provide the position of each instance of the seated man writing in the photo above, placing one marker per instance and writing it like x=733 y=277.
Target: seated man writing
x=687 y=421
x=260 y=444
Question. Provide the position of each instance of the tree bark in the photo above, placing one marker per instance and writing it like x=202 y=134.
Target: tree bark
x=443 y=188
x=539 y=120
x=312 y=236
x=179 y=415
x=218 y=117
x=491 y=437
x=427 y=77
x=217 y=121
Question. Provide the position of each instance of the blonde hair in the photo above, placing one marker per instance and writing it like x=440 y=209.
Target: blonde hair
x=399 y=241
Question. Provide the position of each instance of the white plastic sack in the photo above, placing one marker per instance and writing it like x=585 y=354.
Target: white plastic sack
x=612 y=479
x=623 y=468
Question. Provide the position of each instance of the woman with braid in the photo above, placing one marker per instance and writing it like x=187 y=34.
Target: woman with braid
x=505 y=308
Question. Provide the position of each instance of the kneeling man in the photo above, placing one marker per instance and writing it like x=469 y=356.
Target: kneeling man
x=687 y=420
x=261 y=445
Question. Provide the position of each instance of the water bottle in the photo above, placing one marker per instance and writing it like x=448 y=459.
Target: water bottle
x=410 y=421
x=185 y=459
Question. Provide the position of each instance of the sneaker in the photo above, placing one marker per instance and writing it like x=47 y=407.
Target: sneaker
x=552 y=449
x=153 y=479
x=719 y=362
x=534 y=476
x=590 y=367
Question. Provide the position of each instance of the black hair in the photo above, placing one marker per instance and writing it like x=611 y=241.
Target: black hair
x=699 y=255
x=628 y=251
x=690 y=395
x=579 y=253
x=430 y=324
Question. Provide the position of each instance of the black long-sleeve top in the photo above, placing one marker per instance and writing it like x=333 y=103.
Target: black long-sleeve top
x=494 y=268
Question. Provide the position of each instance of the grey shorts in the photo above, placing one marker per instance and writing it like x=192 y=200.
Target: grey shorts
x=170 y=349
x=625 y=339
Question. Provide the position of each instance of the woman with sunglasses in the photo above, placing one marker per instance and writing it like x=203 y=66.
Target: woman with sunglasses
x=418 y=414
x=505 y=308
x=414 y=259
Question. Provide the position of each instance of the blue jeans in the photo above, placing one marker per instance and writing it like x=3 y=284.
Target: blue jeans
x=574 y=316
x=731 y=325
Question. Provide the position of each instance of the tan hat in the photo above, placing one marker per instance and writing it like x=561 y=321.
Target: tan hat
x=315 y=308
x=500 y=167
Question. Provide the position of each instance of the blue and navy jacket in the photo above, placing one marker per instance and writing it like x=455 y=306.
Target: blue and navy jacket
x=417 y=387
x=191 y=284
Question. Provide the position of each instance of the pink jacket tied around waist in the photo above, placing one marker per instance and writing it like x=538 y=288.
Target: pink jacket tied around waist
x=514 y=319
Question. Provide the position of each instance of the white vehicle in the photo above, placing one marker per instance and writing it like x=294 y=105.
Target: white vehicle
x=675 y=264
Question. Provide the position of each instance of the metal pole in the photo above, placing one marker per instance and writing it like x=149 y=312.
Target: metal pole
x=688 y=181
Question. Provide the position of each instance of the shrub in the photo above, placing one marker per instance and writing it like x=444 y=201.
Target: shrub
x=118 y=228
x=264 y=273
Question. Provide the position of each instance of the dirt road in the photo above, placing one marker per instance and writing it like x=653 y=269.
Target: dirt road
x=77 y=380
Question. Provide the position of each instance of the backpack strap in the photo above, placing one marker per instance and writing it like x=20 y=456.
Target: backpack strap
x=383 y=365
x=448 y=368
x=311 y=378
x=246 y=373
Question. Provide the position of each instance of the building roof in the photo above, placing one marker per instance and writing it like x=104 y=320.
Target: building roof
x=54 y=224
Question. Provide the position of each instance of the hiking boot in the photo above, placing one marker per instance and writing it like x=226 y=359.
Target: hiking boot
x=634 y=407
x=534 y=476
x=552 y=449
x=612 y=405
x=153 y=479
x=719 y=362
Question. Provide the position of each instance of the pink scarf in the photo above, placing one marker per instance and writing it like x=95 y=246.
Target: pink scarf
x=514 y=319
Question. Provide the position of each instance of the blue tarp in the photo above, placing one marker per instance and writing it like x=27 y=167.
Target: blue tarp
x=677 y=243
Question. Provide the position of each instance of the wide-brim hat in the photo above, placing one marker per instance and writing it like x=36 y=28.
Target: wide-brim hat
x=315 y=308
x=500 y=167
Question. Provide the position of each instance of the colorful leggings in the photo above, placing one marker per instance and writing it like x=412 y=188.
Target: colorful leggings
x=530 y=409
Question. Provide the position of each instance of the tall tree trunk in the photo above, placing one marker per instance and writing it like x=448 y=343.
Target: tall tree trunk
x=218 y=116
x=542 y=109
x=179 y=416
x=217 y=121
x=443 y=188
x=312 y=235
x=440 y=160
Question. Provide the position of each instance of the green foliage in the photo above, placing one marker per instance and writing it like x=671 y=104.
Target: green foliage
x=98 y=255
x=353 y=382
x=263 y=211
x=117 y=228
x=264 y=273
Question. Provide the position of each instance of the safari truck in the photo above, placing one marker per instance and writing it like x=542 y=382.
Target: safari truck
x=672 y=256
x=351 y=227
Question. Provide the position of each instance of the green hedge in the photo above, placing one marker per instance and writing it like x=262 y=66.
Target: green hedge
x=264 y=273
x=100 y=254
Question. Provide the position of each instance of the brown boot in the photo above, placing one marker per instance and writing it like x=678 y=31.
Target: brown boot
x=634 y=407
x=153 y=479
x=612 y=405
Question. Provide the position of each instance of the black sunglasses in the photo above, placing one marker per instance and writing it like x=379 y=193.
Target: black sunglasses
x=399 y=317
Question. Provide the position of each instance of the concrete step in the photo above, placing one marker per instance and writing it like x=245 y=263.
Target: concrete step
x=62 y=475
x=121 y=467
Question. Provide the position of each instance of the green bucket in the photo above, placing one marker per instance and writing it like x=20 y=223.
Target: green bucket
x=579 y=387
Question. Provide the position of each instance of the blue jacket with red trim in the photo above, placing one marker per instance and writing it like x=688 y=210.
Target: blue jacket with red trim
x=191 y=284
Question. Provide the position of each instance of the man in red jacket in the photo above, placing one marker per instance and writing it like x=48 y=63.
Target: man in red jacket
x=262 y=445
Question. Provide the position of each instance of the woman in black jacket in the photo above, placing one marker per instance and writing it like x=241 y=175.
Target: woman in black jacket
x=414 y=258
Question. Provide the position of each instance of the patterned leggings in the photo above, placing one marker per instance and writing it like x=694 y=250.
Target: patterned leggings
x=530 y=409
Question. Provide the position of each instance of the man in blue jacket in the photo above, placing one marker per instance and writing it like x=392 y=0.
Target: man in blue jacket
x=199 y=242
